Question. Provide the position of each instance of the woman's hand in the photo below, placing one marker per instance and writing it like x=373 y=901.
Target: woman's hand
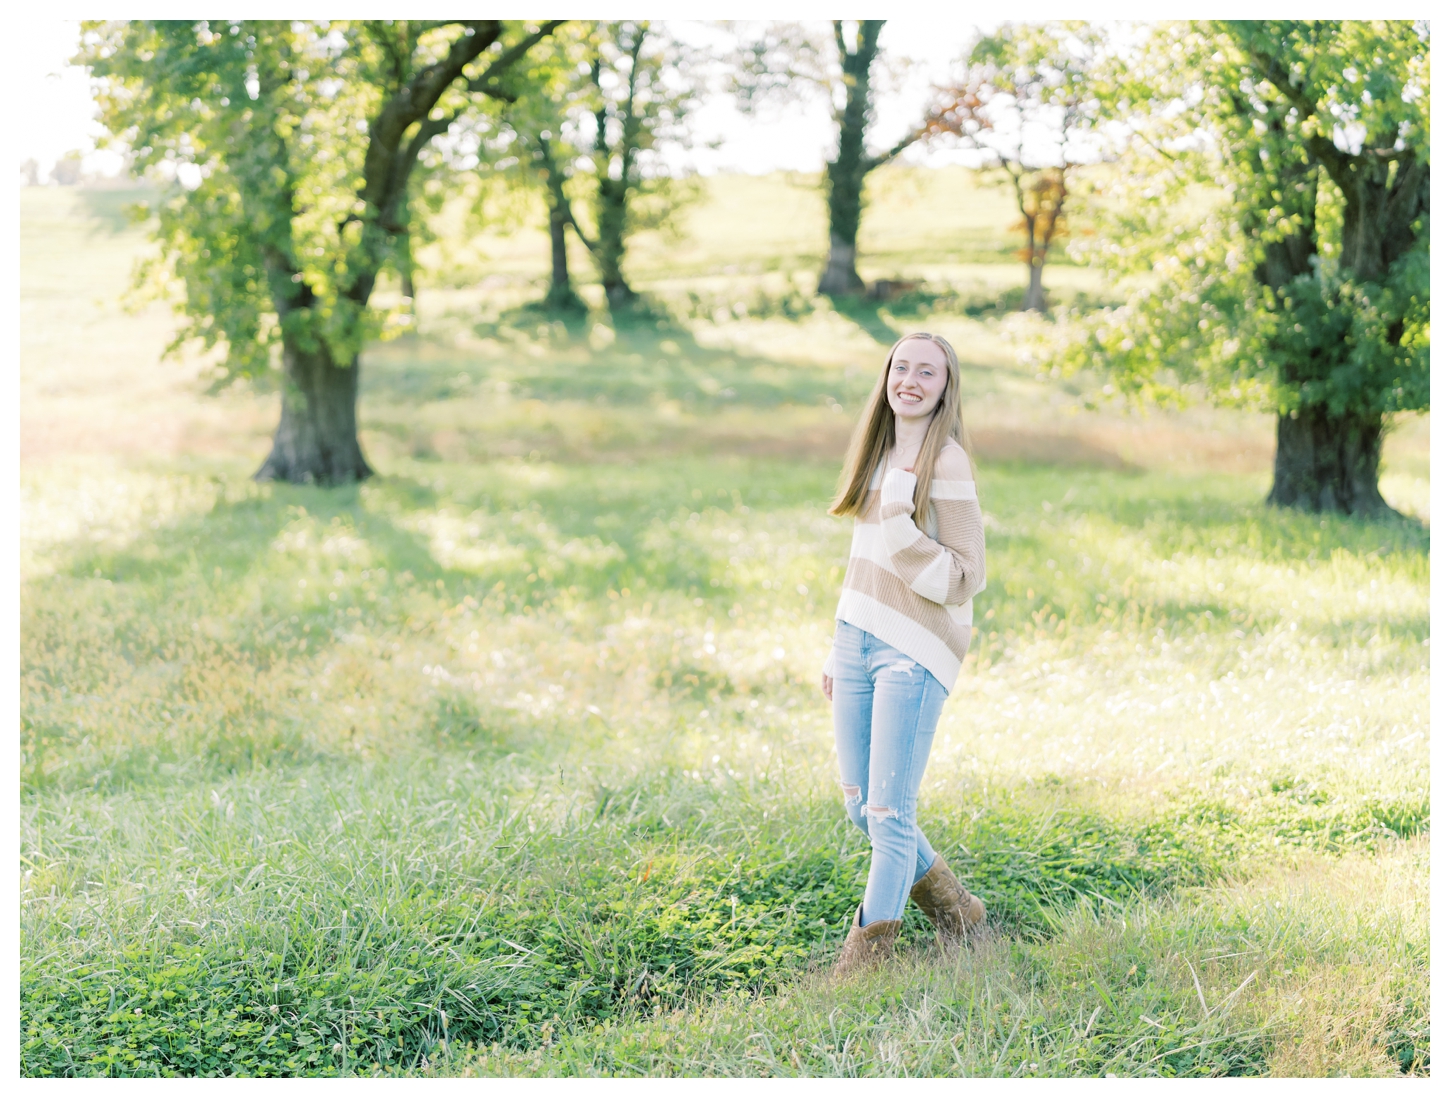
x=828 y=685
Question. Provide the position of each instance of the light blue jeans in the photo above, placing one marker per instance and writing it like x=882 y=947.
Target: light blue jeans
x=886 y=706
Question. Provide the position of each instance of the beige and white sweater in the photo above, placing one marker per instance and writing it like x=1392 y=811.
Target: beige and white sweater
x=914 y=590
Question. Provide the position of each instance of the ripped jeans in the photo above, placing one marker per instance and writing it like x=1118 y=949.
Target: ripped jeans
x=886 y=706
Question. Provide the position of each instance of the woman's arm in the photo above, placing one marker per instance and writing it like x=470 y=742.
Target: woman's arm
x=953 y=568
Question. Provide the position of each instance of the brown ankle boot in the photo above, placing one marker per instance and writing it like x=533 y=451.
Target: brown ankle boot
x=950 y=907
x=866 y=946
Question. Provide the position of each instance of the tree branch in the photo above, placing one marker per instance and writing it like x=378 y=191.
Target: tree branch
x=411 y=104
x=592 y=245
x=484 y=81
x=896 y=150
x=430 y=128
x=387 y=166
x=630 y=121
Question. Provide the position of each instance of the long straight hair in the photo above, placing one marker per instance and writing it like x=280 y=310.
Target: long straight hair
x=875 y=435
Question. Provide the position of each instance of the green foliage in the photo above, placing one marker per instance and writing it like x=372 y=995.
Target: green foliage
x=282 y=147
x=639 y=96
x=1359 y=348
x=214 y=108
x=1274 y=267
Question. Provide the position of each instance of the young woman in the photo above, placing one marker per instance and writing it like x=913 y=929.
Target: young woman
x=902 y=628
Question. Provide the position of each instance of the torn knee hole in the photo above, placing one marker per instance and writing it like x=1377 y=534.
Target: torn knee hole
x=881 y=812
x=852 y=792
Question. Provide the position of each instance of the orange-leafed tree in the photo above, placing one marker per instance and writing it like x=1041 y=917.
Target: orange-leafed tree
x=1027 y=105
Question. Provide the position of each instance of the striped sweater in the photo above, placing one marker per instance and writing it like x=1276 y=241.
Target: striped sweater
x=914 y=590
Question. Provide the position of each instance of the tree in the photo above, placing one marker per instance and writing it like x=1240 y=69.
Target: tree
x=291 y=146
x=561 y=295
x=787 y=58
x=639 y=96
x=1358 y=345
x=600 y=105
x=1027 y=103
x=1290 y=247
x=530 y=146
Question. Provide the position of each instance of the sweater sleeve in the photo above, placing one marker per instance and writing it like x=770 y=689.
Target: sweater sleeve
x=950 y=569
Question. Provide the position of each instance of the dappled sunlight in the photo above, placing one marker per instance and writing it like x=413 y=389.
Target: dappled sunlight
x=101 y=504
x=1312 y=669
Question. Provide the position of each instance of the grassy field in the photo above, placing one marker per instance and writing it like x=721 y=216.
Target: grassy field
x=512 y=761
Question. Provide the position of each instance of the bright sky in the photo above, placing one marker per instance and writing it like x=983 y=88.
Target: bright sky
x=60 y=111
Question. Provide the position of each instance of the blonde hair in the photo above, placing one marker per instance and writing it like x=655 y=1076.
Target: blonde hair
x=875 y=435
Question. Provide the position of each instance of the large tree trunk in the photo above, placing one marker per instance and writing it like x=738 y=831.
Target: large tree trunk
x=840 y=275
x=1328 y=463
x=316 y=440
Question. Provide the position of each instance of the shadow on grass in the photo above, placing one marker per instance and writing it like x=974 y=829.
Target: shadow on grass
x=557 y=319
x=192 y=649
x=1048 y=520
x=278 y=574
x=646 y=355
x=262 y=558
x=866 y=315
x=236 y=535
x=644 y=359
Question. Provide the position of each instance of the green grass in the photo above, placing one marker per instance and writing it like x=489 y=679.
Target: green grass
x=512 y=760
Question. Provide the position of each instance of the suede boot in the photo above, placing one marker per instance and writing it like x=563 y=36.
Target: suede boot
x=866 y=946
x=951 y=908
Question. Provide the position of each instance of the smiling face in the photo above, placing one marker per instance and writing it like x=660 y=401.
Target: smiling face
x=916 y=378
